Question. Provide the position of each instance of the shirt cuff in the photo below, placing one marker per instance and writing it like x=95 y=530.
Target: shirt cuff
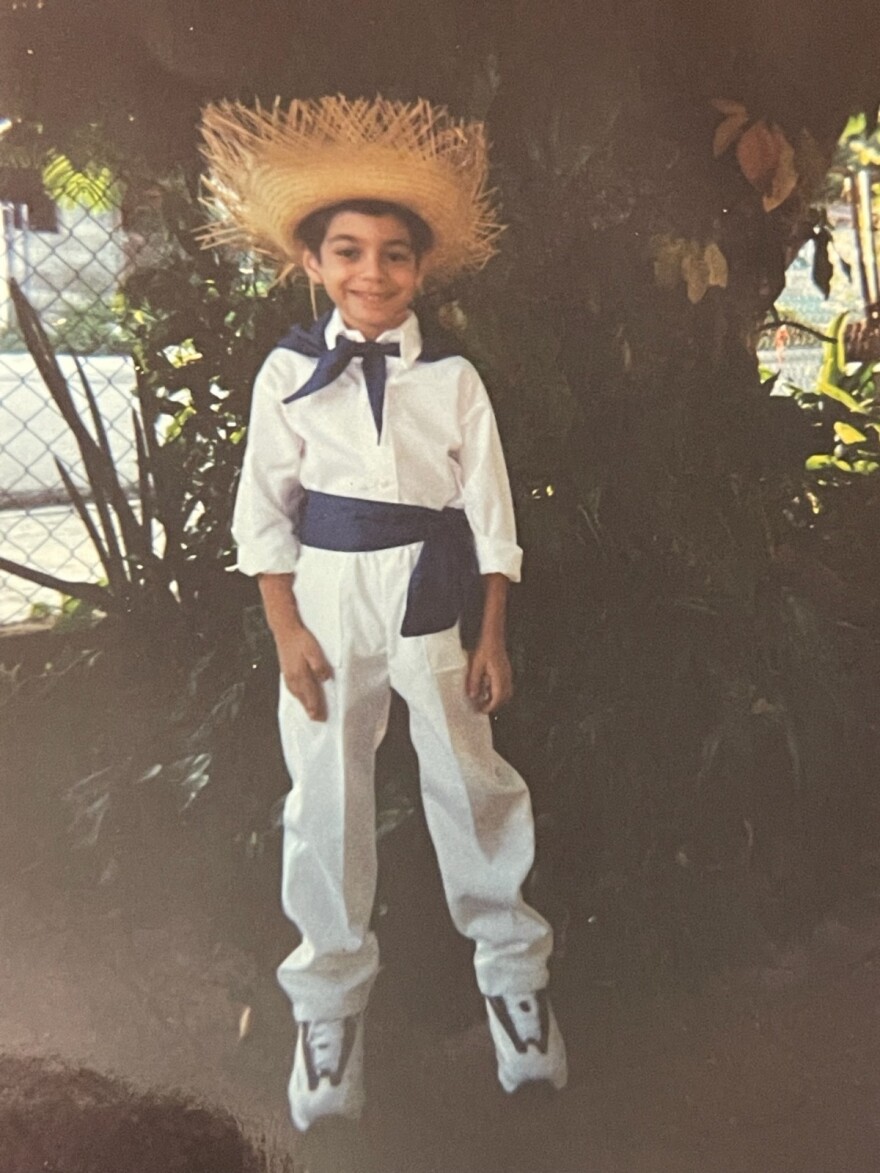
x=268 y=557
x=496 y=556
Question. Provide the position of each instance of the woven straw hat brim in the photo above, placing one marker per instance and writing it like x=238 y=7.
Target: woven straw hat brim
x=269 y=170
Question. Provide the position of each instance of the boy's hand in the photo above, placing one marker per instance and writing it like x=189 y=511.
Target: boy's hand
x=490 y=677
x=304 y=668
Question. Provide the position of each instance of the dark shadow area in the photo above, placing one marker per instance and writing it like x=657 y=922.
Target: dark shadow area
x=61 y=1119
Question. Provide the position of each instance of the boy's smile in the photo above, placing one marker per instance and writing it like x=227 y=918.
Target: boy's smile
x=369 y=268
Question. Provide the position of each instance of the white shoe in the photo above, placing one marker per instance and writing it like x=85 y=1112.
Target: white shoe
x=328 y=1071
x=528 y=1044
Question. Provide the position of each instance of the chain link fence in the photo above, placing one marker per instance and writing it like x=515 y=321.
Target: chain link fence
x=70 y=267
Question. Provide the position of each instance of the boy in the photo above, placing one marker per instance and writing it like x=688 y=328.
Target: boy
x=374 y=507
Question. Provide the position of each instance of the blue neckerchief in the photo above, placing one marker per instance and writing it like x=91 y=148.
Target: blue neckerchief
x=312 y=342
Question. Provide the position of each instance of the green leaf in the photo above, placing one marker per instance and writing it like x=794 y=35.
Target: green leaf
x=95 y=188
x=840 y=396
x=847 y=434
x=834 y=364
x=823 y=460
x=855 y=127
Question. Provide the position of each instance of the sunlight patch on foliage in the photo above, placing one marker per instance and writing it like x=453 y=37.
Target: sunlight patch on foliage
x=699 y=266
x=95 y=188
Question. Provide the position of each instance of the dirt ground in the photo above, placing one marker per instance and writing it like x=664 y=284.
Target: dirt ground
x=762 y=1070
x=155 y=962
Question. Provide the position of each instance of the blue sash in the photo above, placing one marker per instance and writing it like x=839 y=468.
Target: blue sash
x=445 y=585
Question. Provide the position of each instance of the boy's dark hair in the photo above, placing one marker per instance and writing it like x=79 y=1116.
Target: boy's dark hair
x=313 y=229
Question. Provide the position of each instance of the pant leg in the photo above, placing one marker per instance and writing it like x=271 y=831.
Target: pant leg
x=329 y=846
x=479 y=815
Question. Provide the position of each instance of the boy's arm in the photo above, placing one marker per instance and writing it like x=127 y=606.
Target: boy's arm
x=262 y=526
x=300 y=658
x=490 y=677
x=489 y=508
x=488 y=502
x=269 y=490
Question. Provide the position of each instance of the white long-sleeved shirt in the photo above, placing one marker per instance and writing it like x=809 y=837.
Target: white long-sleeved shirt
x=439 y=448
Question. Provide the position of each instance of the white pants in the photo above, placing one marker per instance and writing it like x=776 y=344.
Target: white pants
x=477 y=807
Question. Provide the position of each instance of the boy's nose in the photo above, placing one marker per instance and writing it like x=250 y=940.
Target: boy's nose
x=373 y=266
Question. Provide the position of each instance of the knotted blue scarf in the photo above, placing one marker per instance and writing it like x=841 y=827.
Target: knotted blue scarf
x=331 y=363
x=445 y=585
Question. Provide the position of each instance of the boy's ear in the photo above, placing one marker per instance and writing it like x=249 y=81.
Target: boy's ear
x=312 y=266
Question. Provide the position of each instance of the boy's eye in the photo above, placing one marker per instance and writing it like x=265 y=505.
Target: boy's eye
x=401 y=256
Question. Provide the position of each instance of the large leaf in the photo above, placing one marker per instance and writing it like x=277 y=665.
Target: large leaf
x=855 y=127
x=841 y=396
x=716 y=262
x=113 y=564
x=822 y=460
x=89 y=591
x=728 y=106
x=758 y=153
x=784 y=178
x=834 y=353
x=766 y=159
x=95 y=188
x=847 y=434
x=728 y=132
x=696 y=275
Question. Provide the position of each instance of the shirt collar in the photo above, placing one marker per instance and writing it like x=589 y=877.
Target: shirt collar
x=408 y=335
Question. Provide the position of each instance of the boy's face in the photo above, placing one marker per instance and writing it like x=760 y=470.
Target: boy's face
x=369 y=269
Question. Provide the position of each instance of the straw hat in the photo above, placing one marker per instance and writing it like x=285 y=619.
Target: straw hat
x=270 y=168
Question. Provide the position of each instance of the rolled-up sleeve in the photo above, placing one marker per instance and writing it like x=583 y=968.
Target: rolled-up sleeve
x=486 y=487
x=269 y=490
